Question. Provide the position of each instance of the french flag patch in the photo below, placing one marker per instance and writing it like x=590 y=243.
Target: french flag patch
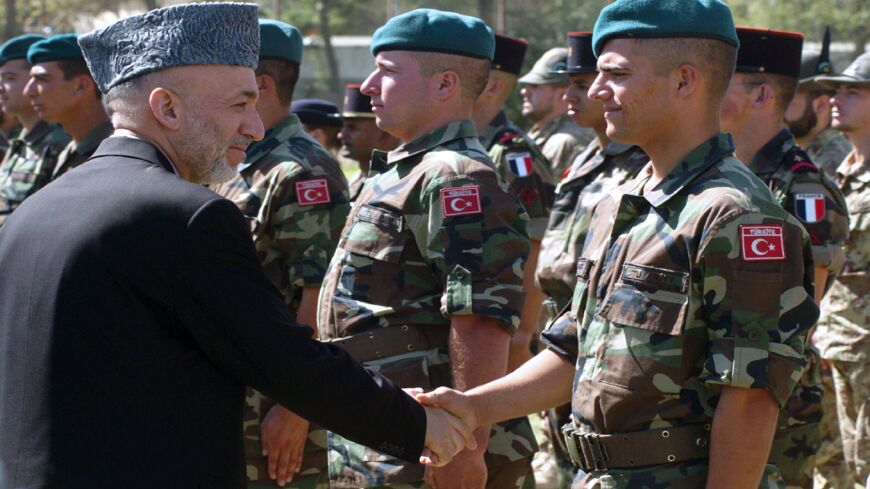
x=809 y=208
x=520 y=164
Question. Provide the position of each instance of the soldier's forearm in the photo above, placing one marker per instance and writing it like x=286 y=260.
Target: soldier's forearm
x=531 y=312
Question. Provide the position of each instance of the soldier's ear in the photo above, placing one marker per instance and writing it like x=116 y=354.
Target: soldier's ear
x=686 y=80
x=448 y=84
x=762 y=95
x=165 y=106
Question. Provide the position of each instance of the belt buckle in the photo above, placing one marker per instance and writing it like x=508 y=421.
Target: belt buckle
x=592 y=451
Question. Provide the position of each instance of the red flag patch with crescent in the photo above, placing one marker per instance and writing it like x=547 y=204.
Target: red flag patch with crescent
x=762 y=242
x=461 y=201
x=311 y=192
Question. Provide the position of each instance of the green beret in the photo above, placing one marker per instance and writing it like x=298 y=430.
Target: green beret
x=16 y=48
x=435 y=31
x=657 y=19
x=280 y=41
x=55 y=48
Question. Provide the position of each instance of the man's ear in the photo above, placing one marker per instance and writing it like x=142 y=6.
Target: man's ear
x=687 y=80
x=165 y=106
x=762 y=95
x=821 y=104
x=447 y=84
x=265 y=84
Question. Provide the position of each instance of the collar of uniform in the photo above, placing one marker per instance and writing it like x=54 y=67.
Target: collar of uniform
x=39 y=131
x=769 y=157
x=378 y=162
x=850 y=169
x=432 y=139
x=590 y=160
x=550 y=129
x=494 y=129
x=695 y=163
x=92 y=140
x=278 y=134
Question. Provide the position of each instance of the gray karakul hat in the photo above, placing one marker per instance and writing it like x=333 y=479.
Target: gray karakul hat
x=181 y=35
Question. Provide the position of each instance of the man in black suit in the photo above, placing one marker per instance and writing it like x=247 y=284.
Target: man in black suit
x=124 y=348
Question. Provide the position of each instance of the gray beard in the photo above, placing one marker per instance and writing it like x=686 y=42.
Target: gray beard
x=206 y=159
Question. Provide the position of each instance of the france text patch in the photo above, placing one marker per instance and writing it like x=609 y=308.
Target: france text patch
x=762 y=242
x=461 y=201
x=520 y=163
x=310 y=192
x=809 y=208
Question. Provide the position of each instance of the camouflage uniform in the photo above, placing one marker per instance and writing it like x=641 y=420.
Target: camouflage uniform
x=28 y=164
x=560 y=141
x=295 y=234
x=843 y=335
x=76 y=154
x=794 y=179
x=592 y=175
x=828 y=150
x=5 y=137
x=435 y=233
x=697 y=284
x=356 y=184
x=526 y=170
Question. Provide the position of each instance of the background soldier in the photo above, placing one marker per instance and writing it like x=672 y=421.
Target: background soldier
x=843 y=334
x=31 y=157
x=425 y=285
x=768 y=65
x=553 y=130
x=321 y=120
x=809 y=114
x=294 y=195
x=360 y=135
x=685 y=333
x=598 y=171
x=62 y=91
x=9 y=128
x=520 y=162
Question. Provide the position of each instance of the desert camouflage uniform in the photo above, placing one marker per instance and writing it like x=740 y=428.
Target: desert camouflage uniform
x=416 y=252
x=294 y=239
x=667 y=309
x=592 y=175
x=828 y=150
x=791 y=175
x=28 y=164
x=561 y=141
x=843 y=335
x=504 y=142
x=76 y=154
x=5 y=137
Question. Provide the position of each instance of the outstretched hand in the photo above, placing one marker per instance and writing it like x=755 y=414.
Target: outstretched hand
x=446 y=435
x=453 y=401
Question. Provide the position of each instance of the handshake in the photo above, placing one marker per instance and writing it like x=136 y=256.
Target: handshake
x=450 y=423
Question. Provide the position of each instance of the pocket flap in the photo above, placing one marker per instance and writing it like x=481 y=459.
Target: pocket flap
x=649 y=298
x=376 y=233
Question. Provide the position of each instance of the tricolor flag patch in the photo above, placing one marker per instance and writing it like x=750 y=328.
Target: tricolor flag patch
x=809 y=208
x=461 y=201
x=520 y=164
x=762 y=242
x=311 y=192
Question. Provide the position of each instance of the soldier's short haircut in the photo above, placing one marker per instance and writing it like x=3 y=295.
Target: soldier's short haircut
x=716 y=60
x=120 y=100
x=72 y=68
x=473 y=72
x=285 y=74
x=784 y=87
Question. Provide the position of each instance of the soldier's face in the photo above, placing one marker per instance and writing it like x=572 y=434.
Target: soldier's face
x=802 y=114
x=14 y=75
x=51 y=94
x=358 y=137
x=850 y=109
x=634 y=97
x=586 y=112
x=399 y=92
x=540 y=101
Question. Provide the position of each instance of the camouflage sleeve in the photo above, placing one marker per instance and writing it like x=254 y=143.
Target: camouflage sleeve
x=479 y=255
x=820 y=206
x=560 y=336
x=527 y=172
x=306 y=214
x=755 y=277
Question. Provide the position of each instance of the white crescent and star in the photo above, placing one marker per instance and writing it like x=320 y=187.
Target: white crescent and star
x=754 y=246
x=308 y=194
x=455 y=207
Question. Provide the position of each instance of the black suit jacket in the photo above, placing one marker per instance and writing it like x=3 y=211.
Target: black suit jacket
x=133 y=312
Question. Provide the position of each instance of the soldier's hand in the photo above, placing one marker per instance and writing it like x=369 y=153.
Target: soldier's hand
x=466 y=471
x=453 y=401
x=283 y=436
x=446 y=435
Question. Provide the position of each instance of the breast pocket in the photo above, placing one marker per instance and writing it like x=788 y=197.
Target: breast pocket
x=376 y=234
x=646 y=310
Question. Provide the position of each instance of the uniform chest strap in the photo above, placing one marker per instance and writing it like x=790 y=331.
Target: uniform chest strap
x=596 y=452
x=391 y=341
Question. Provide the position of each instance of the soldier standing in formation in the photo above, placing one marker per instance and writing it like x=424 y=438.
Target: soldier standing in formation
x=685 y=332
x=62 y=91
x=843 y=334
x=599 y=170
x=9 y=129
x=553 y=130
x=31 y=157
x=768 y=66
x=360 y=135
x=295 y=198
x=321 y=120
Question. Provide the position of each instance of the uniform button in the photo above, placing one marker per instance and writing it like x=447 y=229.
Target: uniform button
x=753 y=335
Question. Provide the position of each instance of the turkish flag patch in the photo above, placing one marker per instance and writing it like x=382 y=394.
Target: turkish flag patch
x=520 y=164
x=461 y=201
x=809 y=208
x=762 y=242
x=311 y=192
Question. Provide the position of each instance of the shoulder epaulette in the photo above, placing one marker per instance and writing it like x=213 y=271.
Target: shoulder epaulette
x=798 y=161
x=508 y=137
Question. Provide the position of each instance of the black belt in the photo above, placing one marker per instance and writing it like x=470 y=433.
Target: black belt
x=392 y=340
